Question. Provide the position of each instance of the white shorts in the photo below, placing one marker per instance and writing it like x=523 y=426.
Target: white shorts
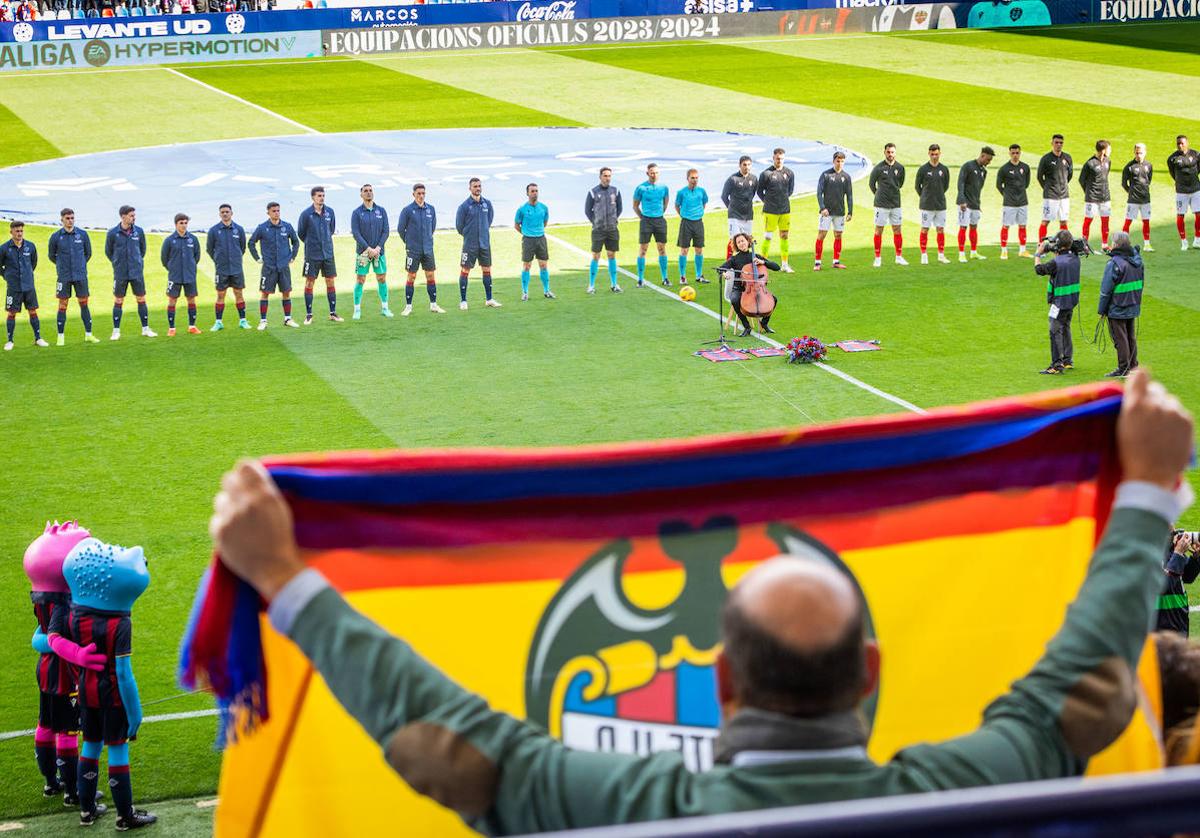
x=1059 y=210
x=969 y=217
x=1092 y=210
x=1183 y=203
x=884 y=217
x=835 y=222
x=736 y=225
x=933 y=218
x=1132 y=211
x=1014 y=215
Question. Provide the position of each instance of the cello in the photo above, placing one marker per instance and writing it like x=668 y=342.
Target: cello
x=756 y=300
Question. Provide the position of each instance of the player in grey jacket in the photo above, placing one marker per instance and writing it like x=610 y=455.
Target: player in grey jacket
x=603 y=207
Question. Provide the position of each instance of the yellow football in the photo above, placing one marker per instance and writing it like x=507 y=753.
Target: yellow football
x=687 y=293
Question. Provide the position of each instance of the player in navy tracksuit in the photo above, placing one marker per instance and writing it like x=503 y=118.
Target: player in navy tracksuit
x=280 y=244
x=180 y=255
x=417 y=222
x=70 y=249
x=473 y=222
x=315 y=228
x=226 y=244
x=18 y=259
x=125 y=247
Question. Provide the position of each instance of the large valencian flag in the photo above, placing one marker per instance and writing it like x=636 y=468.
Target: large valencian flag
x=579 y=587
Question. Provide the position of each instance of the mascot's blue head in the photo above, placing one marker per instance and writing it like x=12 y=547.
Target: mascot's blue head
x=106 y=577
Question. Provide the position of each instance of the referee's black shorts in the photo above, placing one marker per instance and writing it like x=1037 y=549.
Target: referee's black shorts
x=652 y=228
x=609 y=240
x=534 y=247
x=691 y=233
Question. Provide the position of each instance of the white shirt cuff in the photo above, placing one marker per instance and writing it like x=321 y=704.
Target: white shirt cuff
x=1150 y=497
x=293 y=598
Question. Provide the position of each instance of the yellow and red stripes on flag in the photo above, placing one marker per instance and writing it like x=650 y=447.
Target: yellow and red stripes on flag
x=968 y=531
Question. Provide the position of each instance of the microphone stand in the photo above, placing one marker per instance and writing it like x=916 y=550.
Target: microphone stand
x=721 y=341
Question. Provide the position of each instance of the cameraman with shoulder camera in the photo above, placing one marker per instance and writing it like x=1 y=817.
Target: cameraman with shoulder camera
x=1121 y=301
x=1062 y=293
x=1182 y=566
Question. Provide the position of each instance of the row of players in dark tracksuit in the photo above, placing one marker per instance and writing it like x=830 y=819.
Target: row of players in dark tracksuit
x=276 y=244
x=1055 y=172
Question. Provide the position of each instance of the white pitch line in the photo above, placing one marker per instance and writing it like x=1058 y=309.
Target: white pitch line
x=164 y=717
x=11 y=827
x=207 y=804
x=849 y=379
x=240 y=100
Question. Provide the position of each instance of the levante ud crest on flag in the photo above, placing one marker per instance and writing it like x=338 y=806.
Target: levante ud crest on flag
x=605 y=674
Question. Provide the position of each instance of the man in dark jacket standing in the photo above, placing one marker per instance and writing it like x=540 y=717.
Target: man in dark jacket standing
x=933 y=179
x=1121 y=301
x=1093 y=177
x=1135 y=180
x=125 y=247
x=1062 y=293
x=18 y=260
x=70 y=249
x=316 y=227
x=226 y=244
x=180 y=255
x=1054 y=173
x=417 y=222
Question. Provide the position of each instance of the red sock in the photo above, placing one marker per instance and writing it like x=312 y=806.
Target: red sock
x=1087 y=227
x=924 y=240
x=1021 y=234
x=1146 y=229
x=1004 y=237
x=1042 y=231
x=974 y=234
x=962 y=238
x=729 y=249
x=1196 y=223
x=1103 y=230
x=1181 y=227
x=1128 y=221
x=837 y=250
x=1062 y=225
x=878 y=244
x=941 y=239
x=898 y=241
x=820 y=247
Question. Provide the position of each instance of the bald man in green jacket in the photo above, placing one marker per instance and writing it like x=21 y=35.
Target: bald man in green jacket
x=785 y=740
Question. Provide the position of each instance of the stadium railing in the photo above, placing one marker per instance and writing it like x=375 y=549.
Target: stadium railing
x=1156 y=803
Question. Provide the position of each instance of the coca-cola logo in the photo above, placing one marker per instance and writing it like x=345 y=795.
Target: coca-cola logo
x=558 y=10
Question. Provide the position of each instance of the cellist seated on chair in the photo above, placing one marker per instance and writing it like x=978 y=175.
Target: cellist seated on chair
x=758 y=302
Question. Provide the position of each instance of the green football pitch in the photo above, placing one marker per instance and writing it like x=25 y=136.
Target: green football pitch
x=131 y=438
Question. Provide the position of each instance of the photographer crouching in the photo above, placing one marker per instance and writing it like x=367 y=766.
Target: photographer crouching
x=1121 y=301
x=1062 y=293
x=1181 y=567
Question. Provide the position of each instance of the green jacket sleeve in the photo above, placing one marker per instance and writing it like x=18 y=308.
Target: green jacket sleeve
x=1081 y=694
x=501 y=775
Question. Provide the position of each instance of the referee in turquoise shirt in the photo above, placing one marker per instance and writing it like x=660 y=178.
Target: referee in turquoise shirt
x=530 y=222
x=690 y=203
x=650 y=203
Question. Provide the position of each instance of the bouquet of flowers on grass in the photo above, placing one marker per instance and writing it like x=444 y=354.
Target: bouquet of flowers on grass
x=805 y=350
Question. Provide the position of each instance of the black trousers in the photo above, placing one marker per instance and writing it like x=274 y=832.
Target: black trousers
x=735 y=298
x=1062 y=348
x=1124 y=337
